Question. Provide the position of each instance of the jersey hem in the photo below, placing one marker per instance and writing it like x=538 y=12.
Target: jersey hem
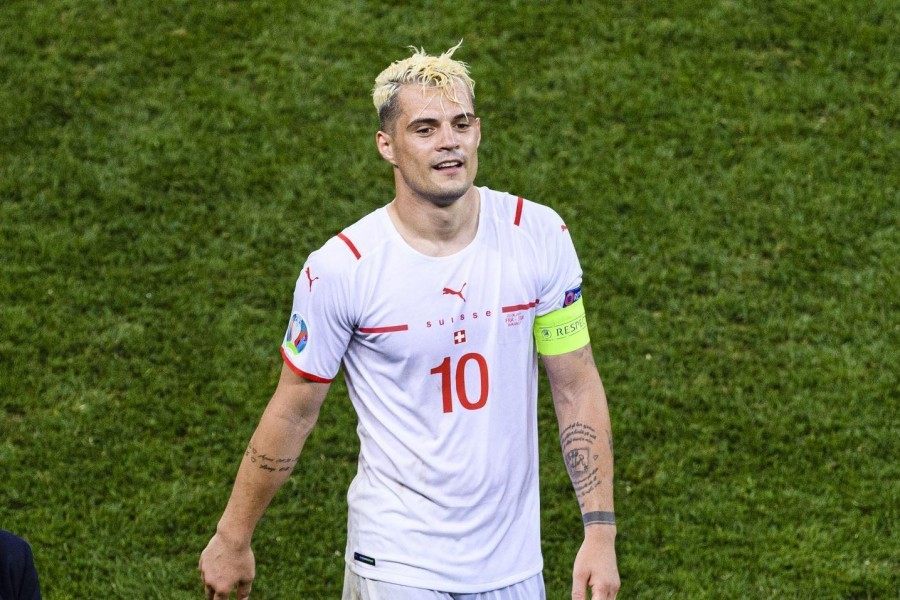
x=441 y=585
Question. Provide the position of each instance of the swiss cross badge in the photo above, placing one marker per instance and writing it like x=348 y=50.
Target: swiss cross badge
x=459 y=337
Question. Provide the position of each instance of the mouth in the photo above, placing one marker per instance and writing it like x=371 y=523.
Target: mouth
x=448 y=165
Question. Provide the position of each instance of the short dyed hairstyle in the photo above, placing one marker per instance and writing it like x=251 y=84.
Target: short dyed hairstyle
x=440 y=72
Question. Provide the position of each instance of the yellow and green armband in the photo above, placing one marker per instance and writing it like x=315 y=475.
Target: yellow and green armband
x=562 y=330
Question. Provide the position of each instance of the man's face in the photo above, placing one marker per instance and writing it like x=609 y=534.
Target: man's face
x=434 y=144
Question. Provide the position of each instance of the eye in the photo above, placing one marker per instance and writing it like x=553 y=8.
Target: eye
x=463 y=125
x=424 y=130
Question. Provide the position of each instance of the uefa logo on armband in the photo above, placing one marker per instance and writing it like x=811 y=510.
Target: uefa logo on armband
x=297 y=335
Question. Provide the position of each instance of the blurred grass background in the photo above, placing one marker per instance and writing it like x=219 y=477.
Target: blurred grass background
x=729 y=173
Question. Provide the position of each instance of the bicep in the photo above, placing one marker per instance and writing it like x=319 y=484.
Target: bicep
x=297 y=399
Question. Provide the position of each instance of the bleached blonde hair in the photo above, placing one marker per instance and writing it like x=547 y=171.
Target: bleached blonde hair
x=439 y=72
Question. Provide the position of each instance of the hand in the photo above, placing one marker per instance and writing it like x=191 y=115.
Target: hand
x=224 y=566
x=595 y=565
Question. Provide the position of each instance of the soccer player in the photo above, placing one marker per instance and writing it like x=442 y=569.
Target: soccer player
x=437 y=304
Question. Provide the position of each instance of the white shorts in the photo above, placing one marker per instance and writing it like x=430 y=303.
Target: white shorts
x=360 y=588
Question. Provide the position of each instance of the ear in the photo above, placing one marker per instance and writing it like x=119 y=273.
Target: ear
x=385 y=144
x=478 y=129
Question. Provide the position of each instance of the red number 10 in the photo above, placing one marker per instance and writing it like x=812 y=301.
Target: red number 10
x=443 y=370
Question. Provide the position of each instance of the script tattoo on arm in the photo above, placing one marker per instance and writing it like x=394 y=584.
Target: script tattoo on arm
x=270 y=464
x=577 y=441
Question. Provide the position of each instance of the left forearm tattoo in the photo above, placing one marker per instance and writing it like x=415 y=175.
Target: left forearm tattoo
x=577 y=442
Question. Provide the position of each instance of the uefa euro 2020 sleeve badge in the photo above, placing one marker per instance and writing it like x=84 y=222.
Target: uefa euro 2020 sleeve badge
x=297 y=335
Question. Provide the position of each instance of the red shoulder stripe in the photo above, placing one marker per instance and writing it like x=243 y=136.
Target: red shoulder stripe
x=519 y=212
x=347 y=241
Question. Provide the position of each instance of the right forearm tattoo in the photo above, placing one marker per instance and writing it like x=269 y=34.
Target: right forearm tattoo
x=270 y=464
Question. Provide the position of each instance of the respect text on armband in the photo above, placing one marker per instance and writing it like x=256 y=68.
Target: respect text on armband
x=562 y=330
x=566 y=329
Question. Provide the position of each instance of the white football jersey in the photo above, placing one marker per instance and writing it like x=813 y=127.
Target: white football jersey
x=441 y=368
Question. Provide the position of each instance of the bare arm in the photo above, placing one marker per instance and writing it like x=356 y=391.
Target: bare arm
x=269 y=459
x=586 y=439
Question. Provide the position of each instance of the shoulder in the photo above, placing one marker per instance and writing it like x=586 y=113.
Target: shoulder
x=532 y=218
x=12 y=545
x=347 y=249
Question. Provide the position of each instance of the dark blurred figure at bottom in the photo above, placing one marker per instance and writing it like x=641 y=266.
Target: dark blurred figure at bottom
x=18 y=576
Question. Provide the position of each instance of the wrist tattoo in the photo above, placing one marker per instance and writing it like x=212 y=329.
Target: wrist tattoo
x=599 y=517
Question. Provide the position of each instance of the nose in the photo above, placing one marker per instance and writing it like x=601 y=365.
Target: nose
x=448 y=137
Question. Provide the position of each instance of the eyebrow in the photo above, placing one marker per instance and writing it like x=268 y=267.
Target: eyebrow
x=416 y=122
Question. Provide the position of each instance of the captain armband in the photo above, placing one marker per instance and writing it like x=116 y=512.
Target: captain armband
x=562 y=330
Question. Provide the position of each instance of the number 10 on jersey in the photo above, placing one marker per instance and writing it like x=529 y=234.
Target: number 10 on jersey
x=445 y=370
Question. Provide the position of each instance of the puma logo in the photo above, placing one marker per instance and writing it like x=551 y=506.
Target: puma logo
x=311 y=278
x=455 y=293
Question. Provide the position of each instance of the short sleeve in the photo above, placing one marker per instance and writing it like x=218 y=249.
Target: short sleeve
x=561 y=272
x=321 y=321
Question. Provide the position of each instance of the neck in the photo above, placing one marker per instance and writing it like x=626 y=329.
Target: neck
x=433 y=229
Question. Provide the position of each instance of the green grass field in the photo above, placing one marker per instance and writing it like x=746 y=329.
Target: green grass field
x=729 y=173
